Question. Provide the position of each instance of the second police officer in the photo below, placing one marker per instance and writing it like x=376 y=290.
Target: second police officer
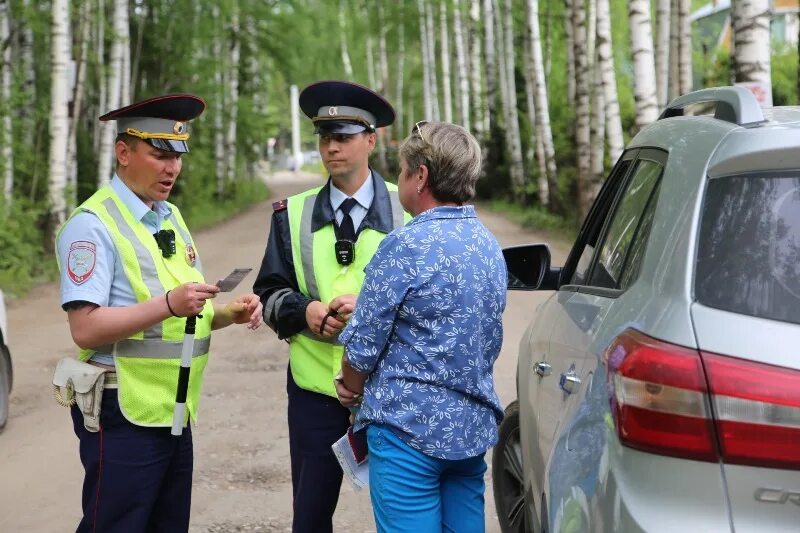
x=313 y=267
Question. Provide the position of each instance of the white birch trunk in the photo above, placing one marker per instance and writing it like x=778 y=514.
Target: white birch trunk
x=233 y=94
x=437 y=115
x=373 y=84
x=491 y=66
x=383 y=85
x=605 y=60
x=59 y=121
x=427 y=92
x=348 y=67
x=220 y=102
x=582 y=106
x=751 y=36
x=516 y=166
x=107 y=132
x=476 y=86
x=102 y=83
x=644 y=69
x=673 y=83
x=446 y=86
x=598 y=133
x=461 y=65
x=77 y=105
x=125 y=27
x=27 y=128
x=6 y=138
x=569 y=31
x=530 y=88
x=137 y=57
x=662 y=52
x=400 y=133
x=544 y=131
x=685 y=46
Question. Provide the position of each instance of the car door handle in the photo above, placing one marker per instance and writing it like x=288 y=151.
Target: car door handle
x=570 y=382
x=542 y=368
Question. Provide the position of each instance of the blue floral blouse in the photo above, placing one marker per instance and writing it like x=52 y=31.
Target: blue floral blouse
x=427 y=329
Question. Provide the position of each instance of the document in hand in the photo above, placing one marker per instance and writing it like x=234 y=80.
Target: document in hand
x=351 y=452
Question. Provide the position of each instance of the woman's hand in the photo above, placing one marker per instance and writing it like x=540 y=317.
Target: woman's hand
x=346 y=397
x=245 y=309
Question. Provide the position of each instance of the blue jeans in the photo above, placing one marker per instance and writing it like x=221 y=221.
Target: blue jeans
x=412 y=491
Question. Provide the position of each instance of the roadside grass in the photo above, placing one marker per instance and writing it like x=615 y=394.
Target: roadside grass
x=536 y=218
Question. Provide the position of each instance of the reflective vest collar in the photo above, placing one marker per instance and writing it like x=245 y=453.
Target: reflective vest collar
x=383 y=215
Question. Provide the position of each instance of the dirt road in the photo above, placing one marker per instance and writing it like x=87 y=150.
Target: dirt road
x=242 y=480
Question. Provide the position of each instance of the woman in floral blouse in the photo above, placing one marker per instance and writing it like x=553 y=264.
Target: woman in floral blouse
x=422 y=341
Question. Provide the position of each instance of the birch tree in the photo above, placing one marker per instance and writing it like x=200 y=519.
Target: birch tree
x=348 y=66
x=6 y=138
x=101 y=81
x=516 y=167
x=119 y=40
x=27 y=128
x=59 y=126
x=673 y=83
x=219 y=119
x=461 y=65
x=750 y=20
x=373 y=83
x=447 y=93
x=685 y=46
x=662 y=52
x=125 y=27
x=582 y=106
x=427 y=91
x=544 y=133
x=491 y=67
x=401 y=58
x=233 y=94
x=383 y=64
x=605 y=63
x=569 y=31
x=475 y=80
x=644 y=70
x=77 y=103
x=434 y=77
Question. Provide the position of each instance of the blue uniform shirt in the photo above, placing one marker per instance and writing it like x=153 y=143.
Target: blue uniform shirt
x=105 y=284
x=427 y=329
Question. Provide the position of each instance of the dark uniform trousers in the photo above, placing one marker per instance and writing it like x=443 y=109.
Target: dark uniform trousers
x=316 y=421
x=138 y=479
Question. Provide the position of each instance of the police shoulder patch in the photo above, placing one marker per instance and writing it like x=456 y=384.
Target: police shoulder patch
x=81 y=261
x=280 y=206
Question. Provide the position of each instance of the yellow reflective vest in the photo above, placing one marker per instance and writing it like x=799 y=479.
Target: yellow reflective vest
x=315 y=361
x=148 y=362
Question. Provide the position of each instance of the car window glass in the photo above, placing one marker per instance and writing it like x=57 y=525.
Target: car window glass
x=624 y=225
x=748 y=257
x=634 y=262
x=593 y=227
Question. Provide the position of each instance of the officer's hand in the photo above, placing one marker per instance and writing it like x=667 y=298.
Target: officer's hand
x=346 y=397
x=315 y=314
x=343 y=306
x=245 y=309
x=188 y=299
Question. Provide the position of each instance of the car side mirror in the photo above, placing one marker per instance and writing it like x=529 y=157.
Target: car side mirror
x=529 y=268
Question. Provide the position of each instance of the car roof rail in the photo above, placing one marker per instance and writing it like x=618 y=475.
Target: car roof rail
x=733 y=104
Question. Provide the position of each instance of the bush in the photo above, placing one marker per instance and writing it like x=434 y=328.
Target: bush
x=23 y=260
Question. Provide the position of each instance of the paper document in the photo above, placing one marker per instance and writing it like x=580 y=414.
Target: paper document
x=351 y=454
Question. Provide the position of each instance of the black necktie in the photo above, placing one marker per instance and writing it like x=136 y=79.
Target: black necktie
x=346 y=228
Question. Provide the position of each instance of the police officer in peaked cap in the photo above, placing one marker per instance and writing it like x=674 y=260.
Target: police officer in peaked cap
x=130 y=274
x=319 y=243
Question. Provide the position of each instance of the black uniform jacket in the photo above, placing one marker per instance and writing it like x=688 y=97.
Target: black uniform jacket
x=286 y=313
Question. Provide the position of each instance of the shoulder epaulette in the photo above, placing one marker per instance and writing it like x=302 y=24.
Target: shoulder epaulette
x=280 y=206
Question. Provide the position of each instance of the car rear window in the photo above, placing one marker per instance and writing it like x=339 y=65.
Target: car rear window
x=749 y=251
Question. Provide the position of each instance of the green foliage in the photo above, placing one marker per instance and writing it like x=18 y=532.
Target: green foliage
x=537 y=218
x=23 y=261
x=784 y=77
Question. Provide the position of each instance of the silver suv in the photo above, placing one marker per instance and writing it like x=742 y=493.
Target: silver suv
x=659 y=385
x=6 y=372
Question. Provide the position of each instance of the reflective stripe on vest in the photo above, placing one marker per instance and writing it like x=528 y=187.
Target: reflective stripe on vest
x=315 y=361
x=148 y=362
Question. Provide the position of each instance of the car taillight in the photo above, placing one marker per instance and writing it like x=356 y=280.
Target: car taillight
x=660 y=395
x=757 y=411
